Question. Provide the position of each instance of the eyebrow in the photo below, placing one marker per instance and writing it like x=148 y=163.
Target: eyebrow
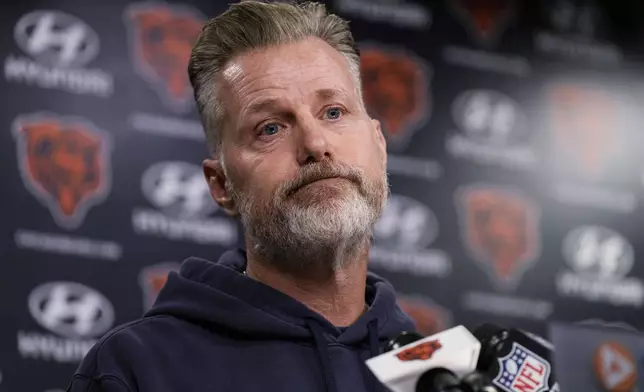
x=325 y=94
x=261 y=106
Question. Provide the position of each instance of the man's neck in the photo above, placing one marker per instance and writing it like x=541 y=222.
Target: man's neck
x=339 y=296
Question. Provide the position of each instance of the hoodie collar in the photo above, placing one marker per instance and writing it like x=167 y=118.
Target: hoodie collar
x=218 y=293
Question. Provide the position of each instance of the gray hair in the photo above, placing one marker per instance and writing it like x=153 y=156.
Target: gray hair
x=252 y=25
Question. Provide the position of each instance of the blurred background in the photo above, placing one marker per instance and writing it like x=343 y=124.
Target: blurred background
x=515 y=161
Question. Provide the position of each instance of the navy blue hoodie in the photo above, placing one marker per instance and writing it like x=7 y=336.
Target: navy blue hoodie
x=213 y=329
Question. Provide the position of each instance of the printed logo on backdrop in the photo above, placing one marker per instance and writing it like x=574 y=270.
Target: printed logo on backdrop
x=405 y=13
x=396 y=91
x=428 y=317
x=65 y=163
x=589 y=144
x=615 y=367
x=74 y=316
x=522 y=370
x=161 y=37
x=402 y=237
x=59 y=47
x=492 y=128
x=485 y=21
x=500 y=228
x=574 y=31
x=586 y=128
x=600 y=260
x=184 y=205
x=152 y=279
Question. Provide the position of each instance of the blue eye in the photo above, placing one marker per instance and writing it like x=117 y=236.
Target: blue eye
x=270 y=129
x=334 y=113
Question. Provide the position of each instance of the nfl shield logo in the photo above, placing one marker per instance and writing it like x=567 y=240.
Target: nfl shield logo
x=522 y=371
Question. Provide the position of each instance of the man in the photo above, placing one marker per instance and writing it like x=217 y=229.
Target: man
x=296 y=156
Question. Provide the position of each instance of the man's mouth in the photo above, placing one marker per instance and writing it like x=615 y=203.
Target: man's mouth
x=315 y=182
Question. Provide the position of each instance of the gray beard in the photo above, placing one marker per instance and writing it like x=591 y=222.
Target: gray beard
x=315 y=236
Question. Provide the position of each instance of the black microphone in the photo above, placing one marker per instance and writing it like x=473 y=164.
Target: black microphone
x=403 y=339
x=477 y=382
x=515 y=360
x=438 y=380
x=443 y=380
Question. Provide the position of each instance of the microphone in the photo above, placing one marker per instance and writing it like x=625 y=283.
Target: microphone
x=516 y=361
x=402 y=340
x=431 y=364
x=437 y=379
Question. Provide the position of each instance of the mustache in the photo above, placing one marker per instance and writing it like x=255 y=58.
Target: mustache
x=321 y=171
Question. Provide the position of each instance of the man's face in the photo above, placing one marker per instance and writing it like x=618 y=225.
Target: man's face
x=304 y=165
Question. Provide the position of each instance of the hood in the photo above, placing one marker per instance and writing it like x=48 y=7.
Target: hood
x=220 y=295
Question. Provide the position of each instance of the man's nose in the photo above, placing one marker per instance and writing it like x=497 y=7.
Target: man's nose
x=313 y=145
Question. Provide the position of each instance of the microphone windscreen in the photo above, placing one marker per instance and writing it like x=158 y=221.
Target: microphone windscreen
x=437 y=380
x=402 y=340
x=490 y=336
x=487 y=331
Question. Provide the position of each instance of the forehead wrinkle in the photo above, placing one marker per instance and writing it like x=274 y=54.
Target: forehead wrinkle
x=251 y=74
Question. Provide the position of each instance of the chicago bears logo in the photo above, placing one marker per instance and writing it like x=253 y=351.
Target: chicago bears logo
x=420 y=352
x=65 y=163
x=161 y=39
x=586 y=127
x=429 y=318
x=152 y=279
x=396 y=92
x=500 y=229
x=484 y=19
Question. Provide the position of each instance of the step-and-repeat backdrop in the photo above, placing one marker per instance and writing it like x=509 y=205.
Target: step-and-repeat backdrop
x=516 y=163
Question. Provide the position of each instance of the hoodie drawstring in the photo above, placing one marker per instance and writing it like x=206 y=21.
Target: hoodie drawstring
x=325 y=358
x=323 y=355
x=374 y=350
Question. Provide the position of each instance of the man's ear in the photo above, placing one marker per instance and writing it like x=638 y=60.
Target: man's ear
x=380 y=138
x=216 y=179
